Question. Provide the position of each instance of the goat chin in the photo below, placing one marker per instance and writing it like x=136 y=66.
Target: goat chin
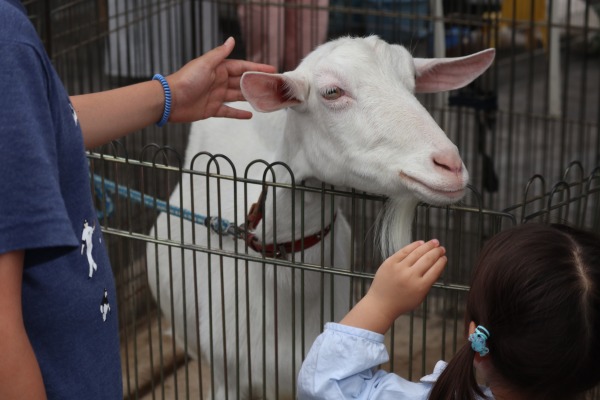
x=394 y=224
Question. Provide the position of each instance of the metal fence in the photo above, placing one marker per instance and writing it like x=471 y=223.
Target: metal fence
x=528 y=131
x=190 y=265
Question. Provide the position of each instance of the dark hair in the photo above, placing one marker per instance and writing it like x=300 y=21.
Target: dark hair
x=536 y=288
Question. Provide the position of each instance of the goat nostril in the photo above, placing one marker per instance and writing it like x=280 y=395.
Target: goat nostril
x=450 y=163
x=439 y=164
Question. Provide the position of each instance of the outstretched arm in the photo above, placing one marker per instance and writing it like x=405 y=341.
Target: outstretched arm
x=400 y=285
x=199 y=90
x=342 y=362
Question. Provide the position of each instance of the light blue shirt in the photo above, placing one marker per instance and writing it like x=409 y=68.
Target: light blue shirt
x=343 y=364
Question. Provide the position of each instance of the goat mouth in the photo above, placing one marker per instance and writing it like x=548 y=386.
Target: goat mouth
x=418 y=185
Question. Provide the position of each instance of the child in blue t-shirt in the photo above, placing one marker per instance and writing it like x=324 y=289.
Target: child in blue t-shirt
x=532 y=320
x=58 y=316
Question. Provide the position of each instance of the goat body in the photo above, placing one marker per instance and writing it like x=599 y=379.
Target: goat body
x=347 y=117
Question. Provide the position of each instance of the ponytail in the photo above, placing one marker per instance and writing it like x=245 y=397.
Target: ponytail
x=537 y=289
x=457 y=381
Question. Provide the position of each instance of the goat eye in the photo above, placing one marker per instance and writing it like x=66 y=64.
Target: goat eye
x=332 y=93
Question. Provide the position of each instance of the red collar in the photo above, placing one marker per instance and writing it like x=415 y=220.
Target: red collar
x=282 y=249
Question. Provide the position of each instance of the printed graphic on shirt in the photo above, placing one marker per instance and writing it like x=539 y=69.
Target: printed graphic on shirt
x=73 y=113
x=104 y=306
x=87 y=239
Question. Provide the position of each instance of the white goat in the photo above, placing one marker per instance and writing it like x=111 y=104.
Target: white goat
x=352 y=121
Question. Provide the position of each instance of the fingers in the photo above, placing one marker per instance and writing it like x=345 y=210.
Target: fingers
x=228 y=45
x=406 y=250
x=233 y=94
x=431 y=264
x=216 y=56
x=233 y=82
x=427 y=259
x=219 y=54
x=420 y=251
x=238 y=67
x=230 y=112
x=435 y=271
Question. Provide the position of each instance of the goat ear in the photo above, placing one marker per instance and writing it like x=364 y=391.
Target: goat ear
x=271 y=92
x=441 y=74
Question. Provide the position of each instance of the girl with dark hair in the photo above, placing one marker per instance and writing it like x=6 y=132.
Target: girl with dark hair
x=532 y=319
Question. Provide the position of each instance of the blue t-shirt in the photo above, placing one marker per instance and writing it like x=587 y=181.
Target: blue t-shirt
x=46 y=209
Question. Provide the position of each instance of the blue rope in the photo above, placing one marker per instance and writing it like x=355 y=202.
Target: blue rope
x=220 y=226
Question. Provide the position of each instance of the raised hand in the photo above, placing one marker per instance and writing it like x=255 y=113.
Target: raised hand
x=400 y=285
x=201 y=88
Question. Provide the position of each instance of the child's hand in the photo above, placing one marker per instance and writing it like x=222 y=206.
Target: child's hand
x=404 y=279
x=400 y=285
x=201 y=88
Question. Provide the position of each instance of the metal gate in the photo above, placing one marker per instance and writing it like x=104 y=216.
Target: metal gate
x=528 y=131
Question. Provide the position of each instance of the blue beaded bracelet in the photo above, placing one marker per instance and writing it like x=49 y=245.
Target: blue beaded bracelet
x=167 y=110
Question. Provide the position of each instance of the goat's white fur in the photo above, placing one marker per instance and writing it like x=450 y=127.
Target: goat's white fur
x=375 y=137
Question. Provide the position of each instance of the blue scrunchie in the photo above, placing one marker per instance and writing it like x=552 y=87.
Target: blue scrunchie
x=478 y=340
